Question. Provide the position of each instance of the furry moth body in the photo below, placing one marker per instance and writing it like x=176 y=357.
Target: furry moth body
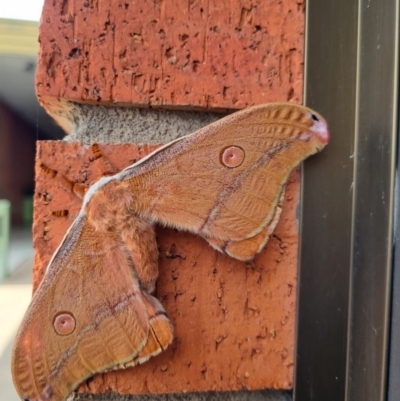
x=225 y=182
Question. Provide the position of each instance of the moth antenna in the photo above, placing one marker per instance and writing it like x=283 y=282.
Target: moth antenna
x=106 y=167
x=96 y=151
x=78 y=189
x=49 y=171
x=60 y=213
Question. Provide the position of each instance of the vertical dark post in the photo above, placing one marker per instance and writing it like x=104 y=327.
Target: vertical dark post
x=345 y=262
x=374 y=163
x=325 y=251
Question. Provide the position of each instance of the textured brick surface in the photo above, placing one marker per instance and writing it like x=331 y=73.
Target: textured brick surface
x=172 y=53
x=234 y=321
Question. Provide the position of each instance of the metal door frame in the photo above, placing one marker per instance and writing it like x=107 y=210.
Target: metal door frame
x=344 y=287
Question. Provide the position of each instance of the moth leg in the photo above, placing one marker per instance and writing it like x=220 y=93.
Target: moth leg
x=140 y=239
x=77 y=189
x=74 y=187
x=104 y=164
x=112 y=208
x=247 y=249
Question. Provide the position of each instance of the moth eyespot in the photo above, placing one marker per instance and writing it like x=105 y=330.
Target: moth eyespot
x=314 y=117
x=64 y=323
x=232 y=156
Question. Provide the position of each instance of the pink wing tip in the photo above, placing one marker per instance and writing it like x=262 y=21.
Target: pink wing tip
x=320 y=127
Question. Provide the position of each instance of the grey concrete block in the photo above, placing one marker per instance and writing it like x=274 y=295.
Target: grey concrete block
x=91 y=123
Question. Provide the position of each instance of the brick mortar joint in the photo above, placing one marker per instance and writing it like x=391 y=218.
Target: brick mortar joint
x=90 y=123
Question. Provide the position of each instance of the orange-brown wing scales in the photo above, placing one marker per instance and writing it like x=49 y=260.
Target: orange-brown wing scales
x=94 y=285
x=250 y=204
x=159 y=337
x=204 y=195
x=160 y=333
x=246 y=249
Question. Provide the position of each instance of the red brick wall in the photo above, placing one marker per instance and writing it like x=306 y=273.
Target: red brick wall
x=234 y=321
x=172 y=53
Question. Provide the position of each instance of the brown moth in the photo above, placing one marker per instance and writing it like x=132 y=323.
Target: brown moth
x=225 y=183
